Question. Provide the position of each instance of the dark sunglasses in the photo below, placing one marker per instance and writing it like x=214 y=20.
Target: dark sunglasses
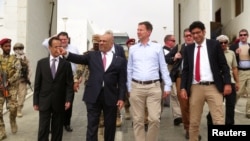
x=223 y=42
x=18 y=48
x=172 y=40
x=243 y=34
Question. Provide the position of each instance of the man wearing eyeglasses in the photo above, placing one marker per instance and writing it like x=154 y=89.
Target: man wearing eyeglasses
x=172 y=100
x=175 y=58
x=241 y=50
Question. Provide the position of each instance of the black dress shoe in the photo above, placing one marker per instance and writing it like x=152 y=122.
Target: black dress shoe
x=199 y=137
x=68 y=128
x=146 y=127
x=177 y=121
x=187 y=136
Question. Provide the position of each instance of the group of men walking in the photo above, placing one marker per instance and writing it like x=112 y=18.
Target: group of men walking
x=197 y=72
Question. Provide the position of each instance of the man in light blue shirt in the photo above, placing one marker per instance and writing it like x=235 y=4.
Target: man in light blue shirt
x=145 y=64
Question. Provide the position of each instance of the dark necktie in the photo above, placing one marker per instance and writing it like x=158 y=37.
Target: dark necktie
x=197 y=66
x=53 y=68
x=104 y=60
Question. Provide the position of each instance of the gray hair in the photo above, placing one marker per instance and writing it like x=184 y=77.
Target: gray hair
x=222 y=38
x=109 y=32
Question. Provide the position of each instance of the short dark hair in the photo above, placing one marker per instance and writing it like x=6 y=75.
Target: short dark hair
x=63 y=34
x=167 y=37
x=196 y=24
x=148 y=25
x=52 y=39
x=243 y=30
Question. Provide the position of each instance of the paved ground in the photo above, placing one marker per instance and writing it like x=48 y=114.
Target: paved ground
x=28 y=124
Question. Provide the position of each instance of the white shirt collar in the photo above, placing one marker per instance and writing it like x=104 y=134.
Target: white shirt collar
x=51 y=57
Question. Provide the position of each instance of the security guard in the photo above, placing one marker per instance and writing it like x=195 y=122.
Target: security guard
x=25 y=77
x=10 y=68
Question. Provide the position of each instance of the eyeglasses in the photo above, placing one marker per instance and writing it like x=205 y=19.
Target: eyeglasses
x=197 y=32
x=243 y=34
x=223 y=43
x=18 y=48
x=188 y=35
x=172 y=40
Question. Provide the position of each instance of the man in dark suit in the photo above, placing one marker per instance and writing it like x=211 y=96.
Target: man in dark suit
x=119 y=51
x=106 y=87
x=205 y=78
x=53 y=92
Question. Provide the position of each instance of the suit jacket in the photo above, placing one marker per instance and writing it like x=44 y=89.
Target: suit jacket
x=53 y=93
x=218 y=65
x=119 y=51
x=114 y=77
x=233 y=47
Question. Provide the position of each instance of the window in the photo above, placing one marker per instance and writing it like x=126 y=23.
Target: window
x=239 y=4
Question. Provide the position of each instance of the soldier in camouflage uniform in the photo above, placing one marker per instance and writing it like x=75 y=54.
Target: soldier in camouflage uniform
x=25 y=77
x=10 y=68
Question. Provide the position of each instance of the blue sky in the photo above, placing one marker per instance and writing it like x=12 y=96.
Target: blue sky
x=122 y=15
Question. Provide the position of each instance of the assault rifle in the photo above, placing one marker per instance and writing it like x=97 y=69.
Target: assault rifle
x=24 y=72
x=4 y=85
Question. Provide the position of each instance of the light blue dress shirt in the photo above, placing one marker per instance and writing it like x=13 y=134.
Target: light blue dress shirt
x=145 y=62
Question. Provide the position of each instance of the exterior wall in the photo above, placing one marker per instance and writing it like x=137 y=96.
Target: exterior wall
x=191 y=10
x=27 y=21
x=231 y=24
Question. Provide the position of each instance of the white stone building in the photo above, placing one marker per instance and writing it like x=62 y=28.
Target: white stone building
x=219 y=16
x=232 y=15
x=29 y=22
x=187 y=11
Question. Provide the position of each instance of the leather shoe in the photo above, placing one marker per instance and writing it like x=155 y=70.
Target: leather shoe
x=68 y=128
x=146 y=127
x=187 y=136
x=177 y=121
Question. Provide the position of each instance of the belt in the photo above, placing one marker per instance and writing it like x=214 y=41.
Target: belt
x=205 y=83
x=145 y=82
x=244 y=69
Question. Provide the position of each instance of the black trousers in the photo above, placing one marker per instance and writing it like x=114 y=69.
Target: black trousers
x=68 y=113
x=56 y=120
x=230 y=107
x=93 y=115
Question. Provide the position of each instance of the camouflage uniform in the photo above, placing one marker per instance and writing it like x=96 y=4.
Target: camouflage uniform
x=24 y=78
x=10 y=66
x=22 y=85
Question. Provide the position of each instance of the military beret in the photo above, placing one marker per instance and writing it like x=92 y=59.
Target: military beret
x=18 y=45
x=130 y=40
x=95 y=38
x=5 y=40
